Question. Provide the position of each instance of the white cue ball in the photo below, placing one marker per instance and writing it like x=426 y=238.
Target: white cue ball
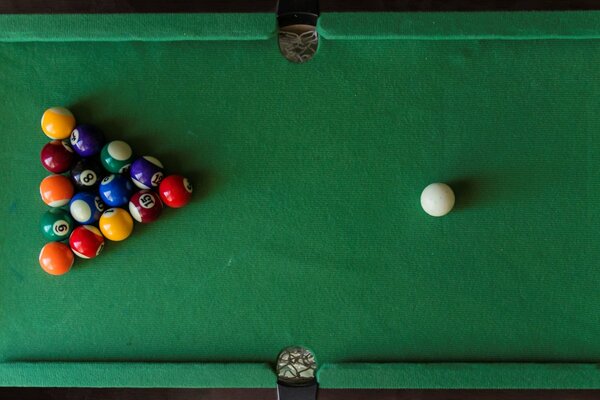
x=437 y=199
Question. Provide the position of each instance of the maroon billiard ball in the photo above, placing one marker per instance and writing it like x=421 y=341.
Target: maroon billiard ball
x=57 y=156
x=175 y=191
x=145 y=206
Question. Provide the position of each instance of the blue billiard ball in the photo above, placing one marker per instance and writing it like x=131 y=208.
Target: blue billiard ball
x=86 y=208
x=116 y=190
x=86 y=140
x=146 y=172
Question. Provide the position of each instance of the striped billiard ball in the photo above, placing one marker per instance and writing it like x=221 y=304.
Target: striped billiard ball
x=86 y=208
x=56 y=190
x=145 y=206
x=116 y=156
x=86 y=241
x=146 y=172
x=58 y=123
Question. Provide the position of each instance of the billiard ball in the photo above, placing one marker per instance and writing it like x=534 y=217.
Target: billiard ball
x=86 y=241
x=56 y=190
x=57 y=224
x=116 y=156
x=145 y=206
x=57 y=156
x=116 y=224
x=58 y=123
x=437 y=199
x=56 y=258
x=115 y=190
x=146 y=172
x=175 y=191
x=86 y=208
x=86 y=140
x=87 y=173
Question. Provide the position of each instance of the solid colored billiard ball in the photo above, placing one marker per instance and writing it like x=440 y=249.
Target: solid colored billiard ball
x=57 y=224
x=57 y=156
x=115 y=190
x=86 y=208
x=175 y=191
x=146 y=172
x=145 y=206
x=58 y=123
x=116 y=224
x=56 y=190
x=86 y=241
x=116 y=156
x=87 y=173
x=56 y=258
x=86 y=140
x=437 y=199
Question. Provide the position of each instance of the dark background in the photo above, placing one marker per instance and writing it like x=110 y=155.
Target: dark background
x=141 y=6
x=270 y=394
x=181 y=6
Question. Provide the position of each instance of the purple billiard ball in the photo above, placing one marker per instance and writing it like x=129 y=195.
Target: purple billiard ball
x=86 y=140
x=146 y=172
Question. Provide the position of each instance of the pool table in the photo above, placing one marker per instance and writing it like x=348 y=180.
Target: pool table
x=305 y=228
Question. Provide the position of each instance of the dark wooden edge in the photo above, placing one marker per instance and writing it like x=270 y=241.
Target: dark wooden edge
x=266 y=394
x=217 y=6
x=134 y=6
x=457 y=5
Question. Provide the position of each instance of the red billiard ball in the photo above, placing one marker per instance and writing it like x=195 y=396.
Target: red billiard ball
x=145 y=206
x=86 y=241
x=57 y=156
x=175 y=191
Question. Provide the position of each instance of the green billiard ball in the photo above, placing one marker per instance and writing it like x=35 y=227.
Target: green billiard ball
x=116 y=156
x=57 y=224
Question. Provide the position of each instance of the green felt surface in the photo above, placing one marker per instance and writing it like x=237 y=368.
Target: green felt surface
x=305 y=226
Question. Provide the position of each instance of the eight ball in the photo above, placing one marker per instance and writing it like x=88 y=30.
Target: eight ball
x=87 y=174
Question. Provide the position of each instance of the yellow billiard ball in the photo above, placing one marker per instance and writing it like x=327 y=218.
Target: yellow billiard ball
x=116 y=224
x=58 y=123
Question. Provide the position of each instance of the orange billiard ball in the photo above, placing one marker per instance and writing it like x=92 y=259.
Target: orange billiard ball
x=56 y=258
x=56 y=190
x=58 y=123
